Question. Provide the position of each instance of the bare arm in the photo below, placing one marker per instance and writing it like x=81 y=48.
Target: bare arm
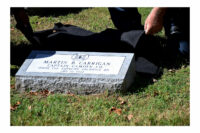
x=154 y=21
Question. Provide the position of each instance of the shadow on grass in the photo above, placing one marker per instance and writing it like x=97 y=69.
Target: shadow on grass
x=13 y=71
x=20 y=52
x=169 y=59
x=52 y=11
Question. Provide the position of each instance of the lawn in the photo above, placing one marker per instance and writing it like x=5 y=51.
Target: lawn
x=161 y=100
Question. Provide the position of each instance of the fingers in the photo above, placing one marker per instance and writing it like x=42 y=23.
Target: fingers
x=147 y=28
x=154 y=21
x=151 y=27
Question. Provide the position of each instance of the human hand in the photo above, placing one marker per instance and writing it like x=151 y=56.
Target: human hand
x=154 y=21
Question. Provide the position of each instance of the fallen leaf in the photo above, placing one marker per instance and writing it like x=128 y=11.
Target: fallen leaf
x=130 y=117
x=18 y=103
x=155 y=93
x=70 y=94
x=29 y=107
x=14 y=107
x=12 y=86
x=38 y=23
x=33 y=93
x=171 y=70
x=112 y=109
x=183 y=66
x=117 y=111
x=45 y=92
x=155 y=80
x=122 y=101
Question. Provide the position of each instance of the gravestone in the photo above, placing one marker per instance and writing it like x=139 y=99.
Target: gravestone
x=76 y=72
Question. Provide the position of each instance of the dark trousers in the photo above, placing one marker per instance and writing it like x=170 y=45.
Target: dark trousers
x=176 y=24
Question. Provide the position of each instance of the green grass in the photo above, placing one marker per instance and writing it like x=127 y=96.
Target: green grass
x=163 y=102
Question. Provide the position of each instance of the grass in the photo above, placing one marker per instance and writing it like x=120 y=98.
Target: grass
x=166 y=101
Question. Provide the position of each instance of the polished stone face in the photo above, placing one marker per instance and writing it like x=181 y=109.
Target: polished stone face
x=76 y=72
x=77 y=64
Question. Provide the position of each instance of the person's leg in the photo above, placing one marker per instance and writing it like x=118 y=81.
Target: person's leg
x=177 y=29
x=23 y=23
x=126 y=19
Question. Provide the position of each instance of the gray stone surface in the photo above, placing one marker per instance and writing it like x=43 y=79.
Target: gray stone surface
x=76 y=72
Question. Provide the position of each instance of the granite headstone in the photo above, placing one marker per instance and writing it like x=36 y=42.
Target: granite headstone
x=76 y=72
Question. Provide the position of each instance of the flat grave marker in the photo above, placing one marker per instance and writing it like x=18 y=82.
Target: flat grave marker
x=76 y=72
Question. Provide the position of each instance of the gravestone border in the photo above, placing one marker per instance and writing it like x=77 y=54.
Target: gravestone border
x=76 y=83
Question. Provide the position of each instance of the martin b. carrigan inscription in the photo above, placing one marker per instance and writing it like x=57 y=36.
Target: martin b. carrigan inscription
x=77 y=63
